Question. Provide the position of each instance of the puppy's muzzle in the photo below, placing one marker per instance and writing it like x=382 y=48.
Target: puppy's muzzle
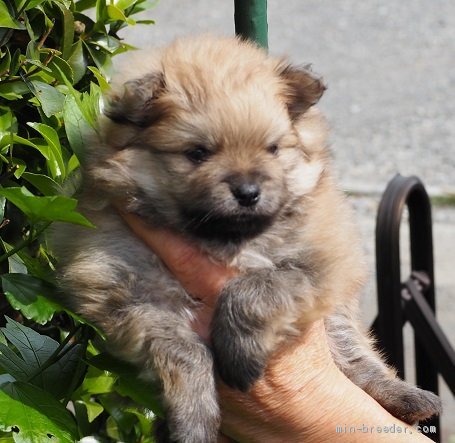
x=246 y=193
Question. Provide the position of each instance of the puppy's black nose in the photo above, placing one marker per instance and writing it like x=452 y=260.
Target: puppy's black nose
x=247 y=194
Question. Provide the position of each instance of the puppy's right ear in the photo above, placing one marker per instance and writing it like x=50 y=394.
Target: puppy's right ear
x=139 y=102
x=304 y=89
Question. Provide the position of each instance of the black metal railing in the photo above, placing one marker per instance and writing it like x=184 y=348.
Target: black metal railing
x=413 y=300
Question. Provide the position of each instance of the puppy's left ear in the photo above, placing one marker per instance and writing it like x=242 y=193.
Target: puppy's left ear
x=139 y=101
x=303 y=89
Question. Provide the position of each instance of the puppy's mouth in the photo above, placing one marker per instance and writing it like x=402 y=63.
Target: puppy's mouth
x=226 y=228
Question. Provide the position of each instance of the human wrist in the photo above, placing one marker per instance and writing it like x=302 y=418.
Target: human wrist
x=304 y=397
x=280 y=405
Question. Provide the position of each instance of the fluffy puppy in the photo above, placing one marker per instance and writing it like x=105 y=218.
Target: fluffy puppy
x=213 y=139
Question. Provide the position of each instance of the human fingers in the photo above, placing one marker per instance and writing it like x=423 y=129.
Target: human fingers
x=201 y=276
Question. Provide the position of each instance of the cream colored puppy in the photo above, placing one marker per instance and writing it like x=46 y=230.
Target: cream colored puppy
x=213 y=139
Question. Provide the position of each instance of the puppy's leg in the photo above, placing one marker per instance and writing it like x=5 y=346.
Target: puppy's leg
x=159 y=342
x=251 y=316
x=354 y=354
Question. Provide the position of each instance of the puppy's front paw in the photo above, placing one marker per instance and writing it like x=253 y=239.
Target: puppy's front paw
x=239 y=360
x=196 y=420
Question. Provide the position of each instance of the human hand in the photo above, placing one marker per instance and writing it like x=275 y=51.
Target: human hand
x=302 y=396
x=202 y=277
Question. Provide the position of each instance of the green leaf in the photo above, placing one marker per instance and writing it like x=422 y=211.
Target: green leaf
x=6 y=378
x=6 y=438
x=77 y=61
x=73 y=164
x=29 y=295
x=56 y=164
x=115 y=13
x=35 y=350
x=51 y=100
x=5 y=61
x=8 y=122
x=128 y=384
x=49 y=134
x=92 y=103
x=7 y=140
x=124 y=420
x=13 y=364
x=145 y=419
x=19 y=166
x=78 y=130
x=32 y=51
x=48 y=208
x=2 y=208
x=15 y=263
x=92 y=409
x=112 y=429
x=43 y=183
x=6 y=21
x=101 y=11
x=101 y=58
x=123 y=4
x=33 y=4
x=96 y=382
x=13 y=90
x=57 y=377
x=89 y=104
x=68 y=30
x=41 y=311
x=60 y=67
x=33 y=54
x=104 y=85
x=36 y=415
x=31 y=32
x=36 y=266
x=15 y=62
x=82 y=5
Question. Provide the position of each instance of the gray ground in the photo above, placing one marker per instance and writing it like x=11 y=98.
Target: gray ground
x=389 y=67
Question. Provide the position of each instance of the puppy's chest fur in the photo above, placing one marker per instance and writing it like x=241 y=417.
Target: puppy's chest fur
x=122 y=256
x=278 y=248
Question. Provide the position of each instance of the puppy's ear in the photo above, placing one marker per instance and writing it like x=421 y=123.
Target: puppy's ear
x=138 y=103
x=304 y=89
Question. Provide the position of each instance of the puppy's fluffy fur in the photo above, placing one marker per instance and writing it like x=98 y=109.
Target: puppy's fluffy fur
x=215 y=140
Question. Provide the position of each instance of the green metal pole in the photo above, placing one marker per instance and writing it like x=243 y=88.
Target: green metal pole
x=250 y=18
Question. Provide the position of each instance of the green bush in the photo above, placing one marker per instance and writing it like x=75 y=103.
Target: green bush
x=55 y=385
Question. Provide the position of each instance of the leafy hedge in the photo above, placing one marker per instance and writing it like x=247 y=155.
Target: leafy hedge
x=55 y=385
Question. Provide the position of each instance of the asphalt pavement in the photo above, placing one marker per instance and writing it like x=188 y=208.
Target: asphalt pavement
x=389 y=67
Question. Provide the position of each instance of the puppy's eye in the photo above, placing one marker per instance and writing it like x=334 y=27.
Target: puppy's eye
x=198 y=154
x=273 y=149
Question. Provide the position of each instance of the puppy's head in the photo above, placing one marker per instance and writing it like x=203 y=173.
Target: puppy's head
x=207 y=136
